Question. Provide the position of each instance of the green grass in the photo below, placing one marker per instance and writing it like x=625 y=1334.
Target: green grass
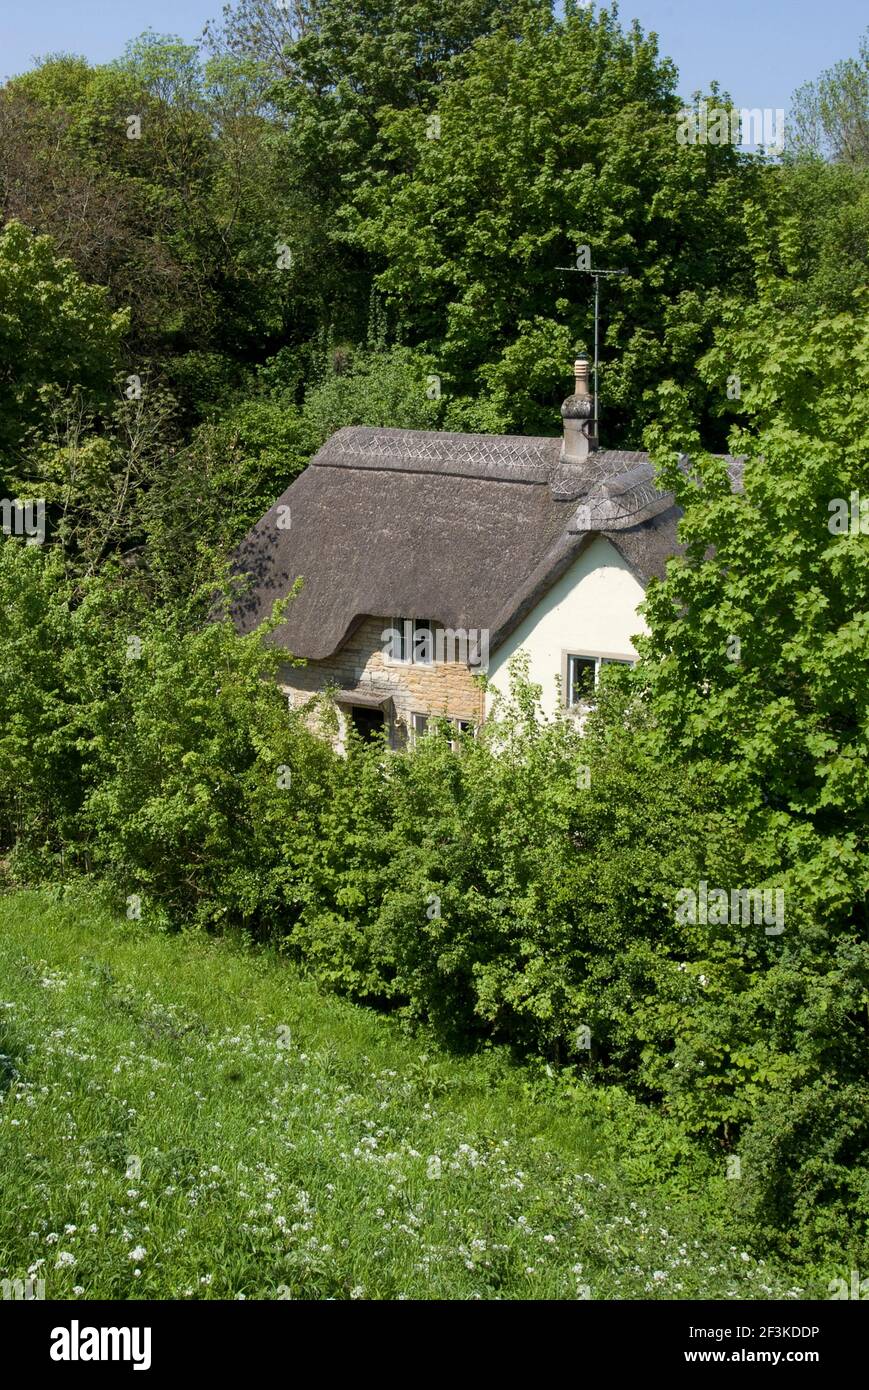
x=183 y=1117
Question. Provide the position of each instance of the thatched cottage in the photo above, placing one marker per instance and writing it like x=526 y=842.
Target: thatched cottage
x=428 y=557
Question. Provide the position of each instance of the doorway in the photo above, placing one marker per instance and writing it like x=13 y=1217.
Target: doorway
x=367 y=721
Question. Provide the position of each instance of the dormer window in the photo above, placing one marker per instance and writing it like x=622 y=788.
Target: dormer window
x=415 y=642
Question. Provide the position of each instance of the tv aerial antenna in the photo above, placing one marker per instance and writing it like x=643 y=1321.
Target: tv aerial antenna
x=597 y=275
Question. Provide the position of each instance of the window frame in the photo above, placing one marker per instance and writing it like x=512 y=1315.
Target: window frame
x=416 y=624
x=469 y=727
x=600 y=660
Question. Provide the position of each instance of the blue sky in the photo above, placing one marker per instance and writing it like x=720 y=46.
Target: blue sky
x=759 y=50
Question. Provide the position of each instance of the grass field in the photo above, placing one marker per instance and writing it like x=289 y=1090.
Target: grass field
x=184 y=1117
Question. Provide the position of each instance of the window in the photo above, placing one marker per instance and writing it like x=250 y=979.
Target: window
x=423 y=643
x=401 y=639
x=583 y=675
x=453 y=728
x=415 y=641
x=581 y=678
x=463 y=726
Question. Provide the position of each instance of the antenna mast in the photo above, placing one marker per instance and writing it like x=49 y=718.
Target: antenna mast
x=597 y=275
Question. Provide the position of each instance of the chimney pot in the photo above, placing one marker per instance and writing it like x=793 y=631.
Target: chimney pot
x=577 y=412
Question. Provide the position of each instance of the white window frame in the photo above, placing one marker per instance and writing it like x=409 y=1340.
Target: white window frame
x=600 y=660
x=411 y=659
x=471 y=728
x=418 y=717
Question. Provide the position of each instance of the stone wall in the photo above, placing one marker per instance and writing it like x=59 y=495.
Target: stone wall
x=361 y=666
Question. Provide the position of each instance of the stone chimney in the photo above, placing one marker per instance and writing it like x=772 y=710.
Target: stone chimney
x=577 y=412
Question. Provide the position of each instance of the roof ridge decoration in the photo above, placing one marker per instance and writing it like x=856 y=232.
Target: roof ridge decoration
x=516 y=458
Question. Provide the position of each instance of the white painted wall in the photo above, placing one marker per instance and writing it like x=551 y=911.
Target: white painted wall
x=592 y=608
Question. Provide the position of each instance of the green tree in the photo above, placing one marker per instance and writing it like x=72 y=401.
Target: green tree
x=831 y=116
x=562 y=139
x=54 y=330
x=757 y=675
x=335 y=67
x=181 y=223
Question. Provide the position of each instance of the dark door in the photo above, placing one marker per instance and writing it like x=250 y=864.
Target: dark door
x=366 y=721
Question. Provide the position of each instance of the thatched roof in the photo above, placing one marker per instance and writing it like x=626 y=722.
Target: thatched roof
x=469 y=530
